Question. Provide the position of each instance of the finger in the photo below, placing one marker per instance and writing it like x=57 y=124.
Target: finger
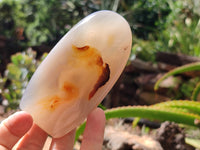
x=33 y=140
x=13 y=128
x=94 y=131
x=64 y=143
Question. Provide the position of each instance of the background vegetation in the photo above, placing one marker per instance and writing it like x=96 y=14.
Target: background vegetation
x=167 y=25
x=30 y=28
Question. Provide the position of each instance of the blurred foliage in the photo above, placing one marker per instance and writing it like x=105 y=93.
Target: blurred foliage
x=145 y=49
x=145 y=16
x=157 y=25
x=187 y=88
x=180 y=34
x=36 y=22
x=167 y=25
x=40 y=21
x=183 y=28
x=190 y=88
x=17 y=75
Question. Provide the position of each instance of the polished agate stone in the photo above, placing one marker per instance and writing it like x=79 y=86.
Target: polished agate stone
x=78 y=72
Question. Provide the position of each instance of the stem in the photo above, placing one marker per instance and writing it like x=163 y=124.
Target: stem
x=185 y=68
x=191 y=106
x=177 y=115
x=154 y=114
x=196 y=92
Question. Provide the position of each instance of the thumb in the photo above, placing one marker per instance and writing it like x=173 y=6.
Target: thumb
x=13 y=128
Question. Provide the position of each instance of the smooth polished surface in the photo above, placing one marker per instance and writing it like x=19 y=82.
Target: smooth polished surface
x=78 y=72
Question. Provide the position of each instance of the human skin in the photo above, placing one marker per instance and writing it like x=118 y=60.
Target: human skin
x=20 y=126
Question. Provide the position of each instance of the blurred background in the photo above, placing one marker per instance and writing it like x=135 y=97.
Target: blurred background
x=166 y=35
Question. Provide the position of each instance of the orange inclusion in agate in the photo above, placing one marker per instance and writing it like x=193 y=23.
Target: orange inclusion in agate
x=93 y=59
x=89 y=58
x=68 y=92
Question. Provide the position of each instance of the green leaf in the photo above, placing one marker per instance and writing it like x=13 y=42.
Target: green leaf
x=174 y=111
x=16 y=59
x=178 y=70
x=187 y=105
x=79 y=131
x=193 y=142
x=102 y=106
x=161 y=114
x=196 y=92
x=14 y=72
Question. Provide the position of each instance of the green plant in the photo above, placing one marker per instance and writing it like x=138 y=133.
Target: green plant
x=145 y=49
x=178 y=31
x=45 y=21
x=182 y=69
x=187 y=88
x=196 y=92
x=145 y=16
x=10 y=17
x=39 y=22
x=184 y=112
x=17 y=75
x=182 y=28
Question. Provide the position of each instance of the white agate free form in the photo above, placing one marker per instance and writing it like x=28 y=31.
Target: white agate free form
x=78 y=72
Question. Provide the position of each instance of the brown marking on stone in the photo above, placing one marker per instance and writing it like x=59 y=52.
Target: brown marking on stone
x=68 y=92
x=54 y=102
x=50 y=103
x=71 y=91
x=88 y=55
x=125 y=48
x=90 y=58
x=103 y=78
x=99 y=60
x=84 y=48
